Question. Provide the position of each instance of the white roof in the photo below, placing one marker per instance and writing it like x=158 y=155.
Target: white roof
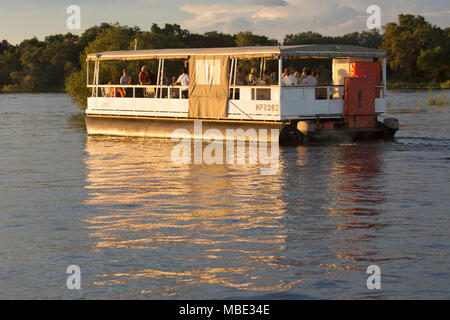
x=313 y=50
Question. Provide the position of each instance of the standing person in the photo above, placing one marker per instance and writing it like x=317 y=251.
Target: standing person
x=125 y=79
x=183 y=80
x=143 y=81
x=143 y=76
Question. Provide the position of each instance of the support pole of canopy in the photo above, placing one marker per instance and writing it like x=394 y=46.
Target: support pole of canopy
x=231 y=76
x=158 y=78
x=384 y=76
x=261 y=68
x=280 y=70
x=234 y=83
x=95 y=79
x=162 y=77
x=87 y=73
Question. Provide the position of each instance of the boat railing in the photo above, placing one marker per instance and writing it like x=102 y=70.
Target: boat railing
x=328 y=92
x=140 y=91
x=253 y=92
x=325 y=92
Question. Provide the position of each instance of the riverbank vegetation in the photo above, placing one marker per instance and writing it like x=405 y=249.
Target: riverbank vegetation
x=418 y=53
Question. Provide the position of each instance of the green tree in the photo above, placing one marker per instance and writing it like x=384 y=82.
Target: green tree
x=246 y=38
x=433 y=61
x=110 y=39
x=404 y=41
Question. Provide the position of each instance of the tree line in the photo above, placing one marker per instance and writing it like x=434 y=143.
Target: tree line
x=416 y=51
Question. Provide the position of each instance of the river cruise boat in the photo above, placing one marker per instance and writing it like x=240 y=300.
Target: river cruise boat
x=351 y=106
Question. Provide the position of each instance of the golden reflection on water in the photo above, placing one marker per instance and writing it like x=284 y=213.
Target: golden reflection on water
x=226 y=225
x=204 y=215
x=353 y=180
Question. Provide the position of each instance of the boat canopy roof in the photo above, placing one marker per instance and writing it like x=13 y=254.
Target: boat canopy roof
x=307 y=51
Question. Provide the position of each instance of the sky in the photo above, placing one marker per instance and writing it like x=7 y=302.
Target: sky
x=24 y=19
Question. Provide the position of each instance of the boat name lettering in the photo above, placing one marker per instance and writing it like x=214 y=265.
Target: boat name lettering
x=267 y=107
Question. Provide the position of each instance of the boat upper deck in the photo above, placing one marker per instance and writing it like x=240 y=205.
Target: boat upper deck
x=214 y=90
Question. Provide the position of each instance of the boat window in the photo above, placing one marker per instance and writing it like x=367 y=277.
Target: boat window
x=234 y=94
x=261 y=94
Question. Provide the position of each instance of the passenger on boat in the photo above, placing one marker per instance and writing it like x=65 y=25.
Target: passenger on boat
x=240 y=77
x=288 y=79
x=143 y=80
x=143 y=76
x=183 y=80
x=115 y=92
x=252 y=78
x=103 y=90
x=303 y=75
x=108 y=90
x=265 y=80
x=297 y=78
x=129 y=91
x=316 y=76
x=273 y=78
x=165 y=80
x=125 y=77
x=309 y=80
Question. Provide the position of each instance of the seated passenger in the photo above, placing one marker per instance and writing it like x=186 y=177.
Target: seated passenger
x=309 y=80
x=265 y=80
x=273 y=78
x=288 y=79
x=129 y=91
x=174 y=81
x=316 y=76
x=103 y=90
x=165 y=80
x=303 y=75
x=108 y=90
x=115 y=92
x=252 y=78
x=240 y=77
x=297 y=77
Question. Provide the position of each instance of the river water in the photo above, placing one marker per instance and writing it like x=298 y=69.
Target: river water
x=140 y=226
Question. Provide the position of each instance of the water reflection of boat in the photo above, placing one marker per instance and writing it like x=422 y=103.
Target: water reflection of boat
x=355 y=209
x=196 y=223
x=168 y=228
